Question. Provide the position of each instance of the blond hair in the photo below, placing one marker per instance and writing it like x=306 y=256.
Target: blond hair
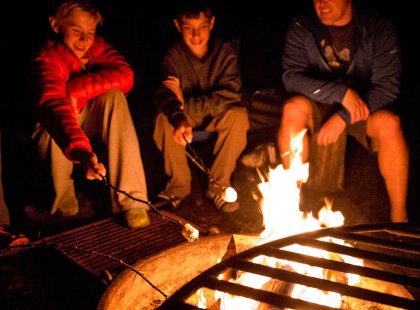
x=65 y=9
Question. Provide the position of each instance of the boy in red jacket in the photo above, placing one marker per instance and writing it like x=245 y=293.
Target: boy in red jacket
x=82 y=86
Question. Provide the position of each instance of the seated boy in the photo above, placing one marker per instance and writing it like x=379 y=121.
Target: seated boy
x=201 y=88
x=82 y=84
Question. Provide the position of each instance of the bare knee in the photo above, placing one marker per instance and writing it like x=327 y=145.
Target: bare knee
x=297 y=108
x=384 y=125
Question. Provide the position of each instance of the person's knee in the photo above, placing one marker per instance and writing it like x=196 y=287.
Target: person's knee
x=115 y=98
x=238 y=117
x=161 y=121
x=385 y=124
x=392 y=122
x=162 y=128
x=114 y=94
x=296 y=107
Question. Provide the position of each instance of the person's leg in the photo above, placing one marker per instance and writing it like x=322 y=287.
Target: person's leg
x=7 y=238
x=231 y=129
x=296 y=116
x=326 y=163
x=61 y=169
x=108 y=117
x=174 y=157
x=393 y=159
x=231 y=140
x=4 y=212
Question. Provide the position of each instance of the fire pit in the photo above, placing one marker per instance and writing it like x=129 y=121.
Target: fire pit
x=390 y=273
x=392 y=269
x=294 y=263
x=169 y=270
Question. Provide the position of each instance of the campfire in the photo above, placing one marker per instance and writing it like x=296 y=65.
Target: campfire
x=282 y=217
x=299 y=261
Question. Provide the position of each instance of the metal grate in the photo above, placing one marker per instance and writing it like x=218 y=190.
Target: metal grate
x=394 y=248
x=110 y=237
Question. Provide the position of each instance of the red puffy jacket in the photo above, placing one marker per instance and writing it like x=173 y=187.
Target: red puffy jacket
x=61 y=75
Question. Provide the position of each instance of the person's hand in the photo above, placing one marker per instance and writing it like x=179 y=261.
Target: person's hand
x=331 y=130
x=175 y=86
x=93 y=169
x=183 y=133
x=356 y=106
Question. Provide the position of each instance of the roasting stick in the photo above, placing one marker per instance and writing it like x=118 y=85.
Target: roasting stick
x=60 y=246
x=228 y=193
x=188 y=231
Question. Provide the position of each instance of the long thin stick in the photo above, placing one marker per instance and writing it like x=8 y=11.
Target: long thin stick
x=91 y=252
x=190 y=232
x=191 y=154
x=139 y=200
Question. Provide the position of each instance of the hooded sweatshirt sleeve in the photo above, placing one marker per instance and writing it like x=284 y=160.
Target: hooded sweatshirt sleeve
x=210 y=86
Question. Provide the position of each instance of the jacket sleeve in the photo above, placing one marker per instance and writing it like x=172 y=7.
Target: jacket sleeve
x=55 y=112
x=386 y=67
x=108 y=70
x=381 y=67
x=222 y=87
x=298 y=74
x=165 y=98
x=225 y=92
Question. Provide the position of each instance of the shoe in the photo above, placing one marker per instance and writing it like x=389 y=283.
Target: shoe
x=43 y=216
x=256 y=158
x=8 y=239
x=136 y=218
x=214 y=193
x=67 y=212
x=174 y=201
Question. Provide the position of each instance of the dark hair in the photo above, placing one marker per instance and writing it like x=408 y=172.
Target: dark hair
x=192 y=9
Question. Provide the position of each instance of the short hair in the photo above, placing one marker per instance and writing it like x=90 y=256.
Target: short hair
x=64 y=10
x=192 y=9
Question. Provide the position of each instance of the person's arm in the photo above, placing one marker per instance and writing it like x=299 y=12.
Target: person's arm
x=93 y=169
x=386 y=67
x=182 y=130
x=106 y=71
x=226 y=90
x=54 y=110
x=223 y=87
x=309 y=79
x=167 y=100
x=299 y=76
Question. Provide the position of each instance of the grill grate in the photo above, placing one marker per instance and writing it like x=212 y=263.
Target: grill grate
x=110 y=237
x=394 y=248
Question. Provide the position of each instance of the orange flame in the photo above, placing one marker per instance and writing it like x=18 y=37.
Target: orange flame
x=282 y=218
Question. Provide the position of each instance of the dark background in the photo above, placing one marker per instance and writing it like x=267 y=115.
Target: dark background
x=141 y=31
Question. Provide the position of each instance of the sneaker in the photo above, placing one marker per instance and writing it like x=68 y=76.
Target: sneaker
x=136 y=218
x=171 y=199
x=67 y=212
x=214 y=193
x=43 y=216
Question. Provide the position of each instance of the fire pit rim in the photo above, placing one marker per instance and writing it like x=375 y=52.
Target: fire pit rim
x=192 y=285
